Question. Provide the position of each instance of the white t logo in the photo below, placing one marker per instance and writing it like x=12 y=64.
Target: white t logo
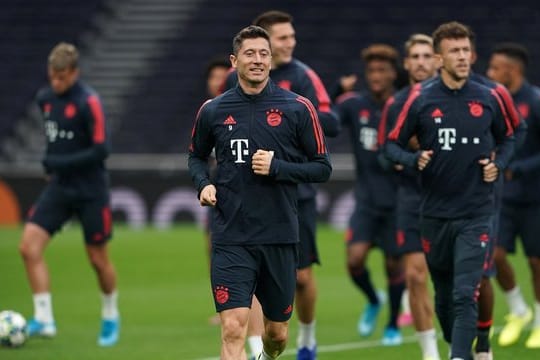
x=447 y=136
x=240 y=148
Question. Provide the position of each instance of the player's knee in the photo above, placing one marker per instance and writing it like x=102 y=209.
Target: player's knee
x=26 y=251
x=30 y=246
x=416 y=278
x=233 y=328
x=277 y=333
x=304 y=278
x=98 y=259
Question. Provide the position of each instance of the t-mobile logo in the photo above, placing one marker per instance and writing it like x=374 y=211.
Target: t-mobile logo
x=240 y=148
x=447 y=136
x=368 y=138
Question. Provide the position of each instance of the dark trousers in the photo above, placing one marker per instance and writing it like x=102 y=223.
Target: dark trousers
x=456 y=253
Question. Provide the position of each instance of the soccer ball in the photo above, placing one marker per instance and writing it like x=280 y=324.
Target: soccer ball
x=12 y=328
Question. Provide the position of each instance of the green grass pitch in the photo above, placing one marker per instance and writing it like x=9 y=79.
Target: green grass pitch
x=165 y=300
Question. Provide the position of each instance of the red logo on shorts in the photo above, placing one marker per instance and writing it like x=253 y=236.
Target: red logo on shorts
x=221 y=294
x=476 y=109
x=70 y=110
x=288 y=310
x=273 y=117
x=97 y=237
x=426 y=245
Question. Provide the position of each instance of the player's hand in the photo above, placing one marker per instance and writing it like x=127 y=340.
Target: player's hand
x=399 y=167
x=490 y=170
x=508 y=175
x=424 y=159
x=347 y=82
x=260 y=162
x=208 y=196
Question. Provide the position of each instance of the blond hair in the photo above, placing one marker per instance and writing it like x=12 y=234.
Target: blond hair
x=415 y=39
x=64 y=56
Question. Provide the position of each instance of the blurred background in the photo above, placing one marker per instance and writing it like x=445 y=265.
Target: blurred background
x=147 y=60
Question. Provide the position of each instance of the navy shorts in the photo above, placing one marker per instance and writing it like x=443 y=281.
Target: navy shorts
x=268 y=271
x=408 y=232
x=57 y=204
x=521 y=220
x=374 y=226
x=308 y=253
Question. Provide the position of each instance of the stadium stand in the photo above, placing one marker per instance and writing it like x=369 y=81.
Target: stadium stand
x=147 y=58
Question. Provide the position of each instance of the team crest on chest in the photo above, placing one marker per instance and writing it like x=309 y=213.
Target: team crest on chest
x=273 y=117
x=363 y=116
x=437 y=115
x=70 y=110
x=47 y=107
x=476 y=108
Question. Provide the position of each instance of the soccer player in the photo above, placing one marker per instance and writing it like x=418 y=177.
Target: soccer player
x=420 y=64
x=267 y=140
x=77 y=145
x=521 y=203
x=291 y=74
x=373 y=220
x=216 y=73
x=458 y=124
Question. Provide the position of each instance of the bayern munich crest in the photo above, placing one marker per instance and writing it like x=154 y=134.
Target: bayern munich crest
x=273 y=117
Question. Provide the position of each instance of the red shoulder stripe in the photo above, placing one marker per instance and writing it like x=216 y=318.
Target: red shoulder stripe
x=509 y=105
x=195 y=124
x=99 y=119
x=509 y=127
x=415 y=92
x=320 y=91
x=345 y=96
x=319 y=137
x=381 y=133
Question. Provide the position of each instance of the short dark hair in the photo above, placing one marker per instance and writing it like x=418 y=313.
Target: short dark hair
x=382 y=52
x=514 y=51
x=451 y=30
x=250 y=32
x=218 y=61
x=272 y=17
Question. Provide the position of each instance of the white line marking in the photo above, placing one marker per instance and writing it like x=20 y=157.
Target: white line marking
x=353 y=345
x=338 y=347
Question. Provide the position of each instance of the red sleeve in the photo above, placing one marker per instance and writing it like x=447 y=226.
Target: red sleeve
x=320 y=91
x=317 y=131
x=381 y=133
x=98 y=118
x=509 y=105
x=507 y=121
x=415 y=92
